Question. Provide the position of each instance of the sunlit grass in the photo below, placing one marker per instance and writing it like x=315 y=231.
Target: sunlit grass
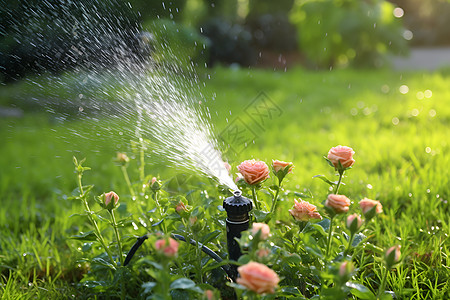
x=399 y=134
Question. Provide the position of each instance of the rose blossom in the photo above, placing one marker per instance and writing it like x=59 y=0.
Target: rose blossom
x=304 y=211
x=258 y=278
x=254 y=171
x=109 y=196
x=368 y=204
x=341 y=154
x=339 y=203
x=279 y=165
x=167 y=247
x=264 y=228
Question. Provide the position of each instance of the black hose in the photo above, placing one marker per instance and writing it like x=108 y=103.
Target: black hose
x=133 y=249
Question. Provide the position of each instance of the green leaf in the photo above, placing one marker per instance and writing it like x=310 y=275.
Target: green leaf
x=325 y=179
x=210 y=236
x=101 y=261
x=358 y=239
x=360 y=291
x=260 y=215
x=85 y=236
x=148 y=286
x=290 y=290
x=182 y=284
x=303 y=195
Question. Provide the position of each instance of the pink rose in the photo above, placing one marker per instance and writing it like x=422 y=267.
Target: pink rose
x=109 y=196
x=304 y=211
x=167 y=247
x=350 y=222
x=367 y=204
x=254 y=171
x=258 y=278
x=341 y=154
x=339 y=203
x=279 y=165
x=264 y=228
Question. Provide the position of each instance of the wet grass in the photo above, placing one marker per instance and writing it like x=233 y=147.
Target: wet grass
x=400 y=139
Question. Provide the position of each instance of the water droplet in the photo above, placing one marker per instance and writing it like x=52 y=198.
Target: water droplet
x=404 y=89
x=398 y=12
x=395 y=121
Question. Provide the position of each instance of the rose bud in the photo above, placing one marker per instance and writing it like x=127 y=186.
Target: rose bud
x=209 y=295
x=370 y=208
x=155 y=184
x=263 y=228
x=167 y=247
x=181 y=207
x=353 y=223
x=345 y=271
x=392 y=256
x=262 y=253
x=337 y=203
x=122 y=158
x=281 y=168
x=258 y=278
x=341 y=157
x=254 y=171
x=304 y=211
x=110 y=200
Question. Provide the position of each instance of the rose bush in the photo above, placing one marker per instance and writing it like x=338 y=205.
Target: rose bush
x=309 y=250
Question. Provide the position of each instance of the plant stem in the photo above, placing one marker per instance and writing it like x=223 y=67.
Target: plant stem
x=142 y=160
x=383 y=283
x=341 y=173
x=275 y=199
x=89 y=212
x=350 y=240
x=80 y=186
x=97 y=232
x=119 y=243
x=155 y=197
x=329 y=237
x=255 y=200
x=127 y=180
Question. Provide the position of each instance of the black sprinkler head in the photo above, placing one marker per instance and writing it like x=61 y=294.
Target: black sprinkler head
x=237 y=208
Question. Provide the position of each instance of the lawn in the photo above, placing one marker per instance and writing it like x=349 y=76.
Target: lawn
x=397 y=124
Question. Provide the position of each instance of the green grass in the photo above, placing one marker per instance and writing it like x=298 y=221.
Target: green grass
x=401 y=144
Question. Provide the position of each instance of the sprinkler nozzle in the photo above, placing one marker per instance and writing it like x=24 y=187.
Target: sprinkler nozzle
x=237 y=208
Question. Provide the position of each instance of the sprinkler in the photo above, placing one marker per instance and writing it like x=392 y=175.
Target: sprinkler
x=237 y=208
